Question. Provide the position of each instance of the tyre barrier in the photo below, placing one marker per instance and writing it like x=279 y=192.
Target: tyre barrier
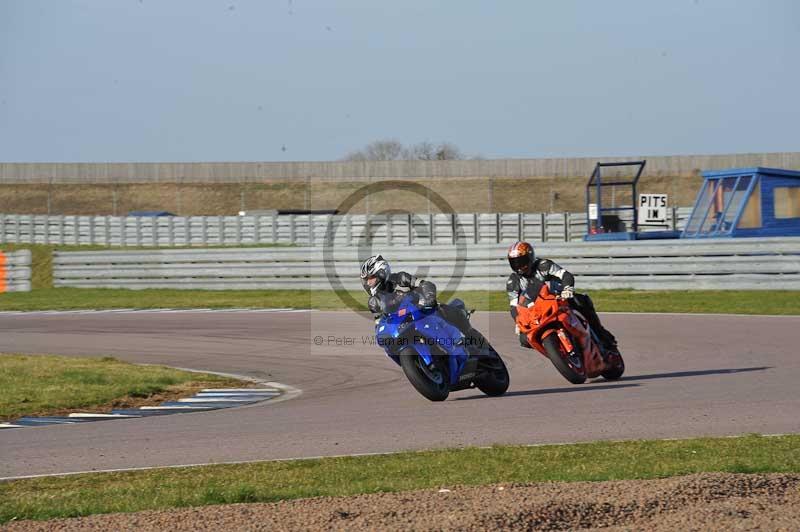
x=15 y=271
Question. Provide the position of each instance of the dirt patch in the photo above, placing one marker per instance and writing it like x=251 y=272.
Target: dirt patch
x=704 y=501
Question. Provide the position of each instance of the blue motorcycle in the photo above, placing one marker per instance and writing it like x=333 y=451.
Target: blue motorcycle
x=434 y=354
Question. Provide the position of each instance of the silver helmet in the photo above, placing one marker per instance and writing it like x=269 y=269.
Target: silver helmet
x=375 y=272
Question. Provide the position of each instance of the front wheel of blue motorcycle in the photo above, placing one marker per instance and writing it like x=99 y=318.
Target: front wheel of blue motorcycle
x=430 y=381
x=495 y=379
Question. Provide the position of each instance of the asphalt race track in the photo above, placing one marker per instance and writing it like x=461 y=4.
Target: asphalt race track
x=687 y=376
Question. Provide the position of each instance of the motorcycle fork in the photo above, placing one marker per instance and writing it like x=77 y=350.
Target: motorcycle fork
x=565 y=342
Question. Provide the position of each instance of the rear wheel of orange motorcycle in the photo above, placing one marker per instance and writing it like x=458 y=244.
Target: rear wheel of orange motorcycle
x=570 y=369
x=616 y=369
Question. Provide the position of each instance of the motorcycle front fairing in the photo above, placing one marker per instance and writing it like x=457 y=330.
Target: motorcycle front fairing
x=393 y=332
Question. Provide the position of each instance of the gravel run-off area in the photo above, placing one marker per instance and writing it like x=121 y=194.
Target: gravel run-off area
x=718 y=501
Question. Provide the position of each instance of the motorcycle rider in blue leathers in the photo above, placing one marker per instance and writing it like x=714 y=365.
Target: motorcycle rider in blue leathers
x=386 y=289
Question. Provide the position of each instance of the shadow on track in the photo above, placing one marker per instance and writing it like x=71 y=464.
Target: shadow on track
x=698 y=373
x=547 y=391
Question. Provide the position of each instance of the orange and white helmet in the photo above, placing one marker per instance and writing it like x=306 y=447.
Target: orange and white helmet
x=521 y=257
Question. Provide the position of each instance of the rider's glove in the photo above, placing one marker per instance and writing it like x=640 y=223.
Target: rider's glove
x=568 y=292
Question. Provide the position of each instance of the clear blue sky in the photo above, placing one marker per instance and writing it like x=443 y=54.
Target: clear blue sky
x=247 y=80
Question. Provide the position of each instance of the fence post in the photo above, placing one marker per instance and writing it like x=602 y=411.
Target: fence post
x=566 y=227
x=257 y=229
x=2 y=228
x=389 y=234
x=108 y=230
x=187 y=230
x=430 y=221
x=61 y=229
x=310 y=229
x=221 y=235
x=543 y=226
x=291 y=229
x=674 y=218
x=410 y=229
x=203 y=231
x=454 y=227
x=476 y=227
x=239 y=226
x=520 y=226
x=17 y=229
x=46 y=229
x=137 y=234
x=154 y=228
x=497 y=226
x=170 y=231
x=76 y=230
x=91 y=229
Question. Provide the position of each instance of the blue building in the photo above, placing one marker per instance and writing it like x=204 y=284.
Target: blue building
x=746 y=202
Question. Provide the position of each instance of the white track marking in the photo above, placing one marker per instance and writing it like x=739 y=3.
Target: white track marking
x=177 y=407
x=240 y=390
x=213 y=400
x=89 y=415
x=238 y=395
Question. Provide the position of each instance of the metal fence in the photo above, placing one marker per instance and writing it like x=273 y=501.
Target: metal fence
x=347 y=230
x=770 y=263
x=15 y=271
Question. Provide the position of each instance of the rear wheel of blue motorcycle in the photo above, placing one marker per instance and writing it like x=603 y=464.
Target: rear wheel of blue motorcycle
x=430 y=382
x=495 y=380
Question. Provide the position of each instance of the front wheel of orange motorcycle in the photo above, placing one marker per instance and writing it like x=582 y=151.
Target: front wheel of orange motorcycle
x=570 y=367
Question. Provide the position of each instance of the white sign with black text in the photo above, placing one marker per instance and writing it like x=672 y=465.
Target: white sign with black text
x=652 y=209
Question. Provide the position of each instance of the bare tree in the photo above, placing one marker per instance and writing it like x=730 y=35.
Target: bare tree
x=421 y=151
x=446 y=151
x=392 y=150
x=379 y=150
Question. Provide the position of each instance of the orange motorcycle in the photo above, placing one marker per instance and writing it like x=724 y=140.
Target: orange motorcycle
x=563 y=335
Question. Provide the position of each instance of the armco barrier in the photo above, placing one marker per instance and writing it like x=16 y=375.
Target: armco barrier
x=310 y=230
x=769 y=263
x=15 y=271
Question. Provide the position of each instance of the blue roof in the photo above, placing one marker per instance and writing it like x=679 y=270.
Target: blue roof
x=753 y=170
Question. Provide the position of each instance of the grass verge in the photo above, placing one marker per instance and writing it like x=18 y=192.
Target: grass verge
x=708 y=301
x=48 y=385
x=86 y=494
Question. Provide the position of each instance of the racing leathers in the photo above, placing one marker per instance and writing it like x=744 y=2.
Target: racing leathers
x=528 y=286
x=399 y=284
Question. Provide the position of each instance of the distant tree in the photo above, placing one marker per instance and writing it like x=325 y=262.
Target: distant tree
x=446 y=151
x=379 y=150
x=392 y=150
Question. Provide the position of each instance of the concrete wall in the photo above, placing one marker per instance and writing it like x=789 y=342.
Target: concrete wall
x=678 y=165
